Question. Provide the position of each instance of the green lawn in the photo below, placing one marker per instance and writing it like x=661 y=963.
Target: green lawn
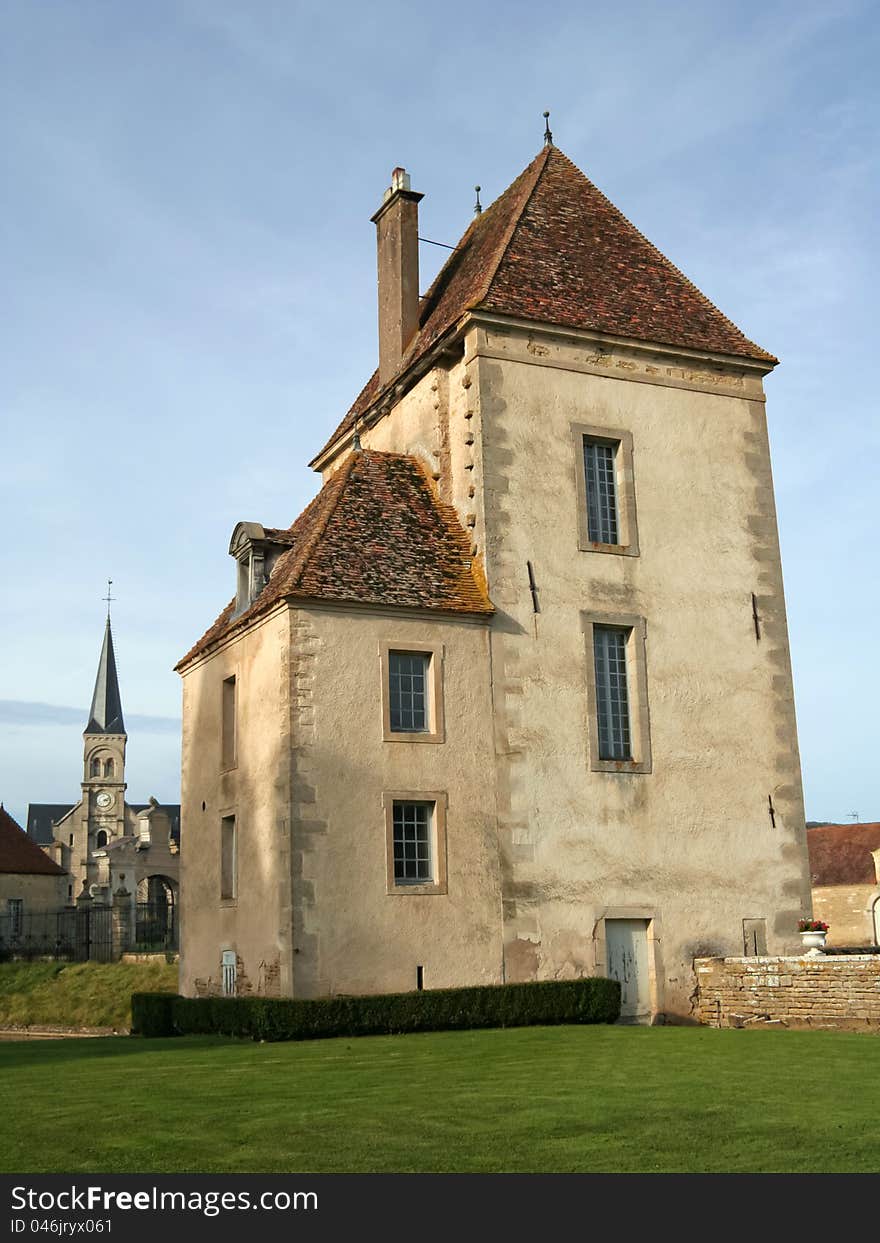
x=85 y=994
x=528 y=1099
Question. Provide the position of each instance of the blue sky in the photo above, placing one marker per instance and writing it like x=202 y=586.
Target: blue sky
x=190 y=297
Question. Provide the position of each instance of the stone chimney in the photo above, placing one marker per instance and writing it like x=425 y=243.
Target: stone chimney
x=397 y=242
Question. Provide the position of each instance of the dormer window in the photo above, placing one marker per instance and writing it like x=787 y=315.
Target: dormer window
x=256 y=551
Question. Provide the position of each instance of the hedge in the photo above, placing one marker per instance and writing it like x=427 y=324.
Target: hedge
x=593 y=1000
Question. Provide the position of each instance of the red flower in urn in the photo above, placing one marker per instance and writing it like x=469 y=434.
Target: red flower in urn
x=812 y=925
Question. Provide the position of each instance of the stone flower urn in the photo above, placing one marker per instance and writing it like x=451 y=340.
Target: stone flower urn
x=814 y=941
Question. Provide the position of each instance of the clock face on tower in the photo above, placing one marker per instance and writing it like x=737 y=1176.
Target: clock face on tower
x=104 y=800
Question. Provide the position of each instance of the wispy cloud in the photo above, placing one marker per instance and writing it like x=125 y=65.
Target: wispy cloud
x=24 y=712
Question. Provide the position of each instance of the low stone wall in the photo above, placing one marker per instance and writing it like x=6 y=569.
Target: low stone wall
x=832 y=991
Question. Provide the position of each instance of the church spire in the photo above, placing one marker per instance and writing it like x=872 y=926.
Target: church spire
x=105 y=716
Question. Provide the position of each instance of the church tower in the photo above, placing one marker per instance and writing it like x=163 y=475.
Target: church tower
x=104 y=739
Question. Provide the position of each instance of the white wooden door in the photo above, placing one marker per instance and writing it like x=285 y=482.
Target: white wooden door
x=626 y=947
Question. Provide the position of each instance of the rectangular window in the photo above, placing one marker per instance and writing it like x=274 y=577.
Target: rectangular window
x=599 y=475
x=415 y=837
x=617 y=693
x=228 y=859
x=612 y=699
x=606 y=499
x=228 y=723
x=408 y=691
x=412 y=692
x=413 y=824
x=15 y=911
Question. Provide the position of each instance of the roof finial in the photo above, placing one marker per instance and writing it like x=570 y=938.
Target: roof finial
x=356 y=438
x=108 y=597
x=548 y=137
x=478 y=206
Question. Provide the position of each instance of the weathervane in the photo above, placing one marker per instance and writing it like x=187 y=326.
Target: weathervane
x=548 y=137
x=356 y=438
x=108 y=597
x=478 y=206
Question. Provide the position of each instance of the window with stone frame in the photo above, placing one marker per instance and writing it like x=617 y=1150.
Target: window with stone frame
x=412 y=692
x=619 y=733
x=415 y=831
x=606 y=516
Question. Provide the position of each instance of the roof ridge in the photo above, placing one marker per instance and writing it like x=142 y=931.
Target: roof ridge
x=542 y=157
x=452 y=523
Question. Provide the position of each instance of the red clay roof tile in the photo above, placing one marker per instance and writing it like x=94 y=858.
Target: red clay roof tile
x=376 y=533
x=553 y=249
x=840 y=854
x=19 y=854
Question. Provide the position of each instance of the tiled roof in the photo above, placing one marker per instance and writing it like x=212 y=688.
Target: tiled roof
x=19 y=854
x=376 y=533
x=553 y=249
x=840 y=854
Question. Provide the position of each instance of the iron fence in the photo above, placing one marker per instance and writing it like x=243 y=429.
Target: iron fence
x=155 y=927
x=88 y=933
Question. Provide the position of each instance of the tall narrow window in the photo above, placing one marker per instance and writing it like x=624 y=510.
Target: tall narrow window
x=228 y=860
x=108 y=768
x=95 y=768
x=612 y=699
x=228 y=723
x=413 y=823
x=408 y=691
x=599 y=474
x=15 y=911
x=605 y=488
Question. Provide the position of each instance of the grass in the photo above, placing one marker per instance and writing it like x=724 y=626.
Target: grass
x=519 y=1100
x=87 y=994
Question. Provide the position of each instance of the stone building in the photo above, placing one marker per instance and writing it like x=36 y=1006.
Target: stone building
x=845 y=876
x=102 y=842
x=30 y=883
x=511 y=699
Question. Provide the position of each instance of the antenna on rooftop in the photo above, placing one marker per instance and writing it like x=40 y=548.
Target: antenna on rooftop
x=853 y=815
x=108 y=597
x=548 y=137
x=478 y=206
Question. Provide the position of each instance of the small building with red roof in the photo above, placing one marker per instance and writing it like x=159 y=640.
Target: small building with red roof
x=845 y=878
x=30 y=882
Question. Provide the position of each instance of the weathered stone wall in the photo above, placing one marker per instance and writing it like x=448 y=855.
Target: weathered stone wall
x=709 y=831
x=255 y=788
x=831 y=991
